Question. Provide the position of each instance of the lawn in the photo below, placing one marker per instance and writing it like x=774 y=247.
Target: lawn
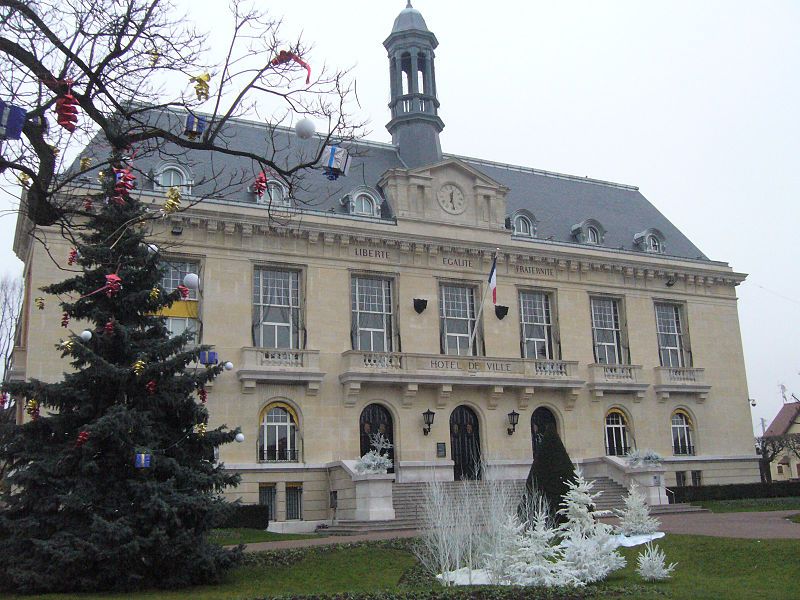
x=230 y=537
x=751 y=504
x=708 y=568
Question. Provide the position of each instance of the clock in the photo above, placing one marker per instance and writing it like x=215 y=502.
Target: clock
x=451 y=199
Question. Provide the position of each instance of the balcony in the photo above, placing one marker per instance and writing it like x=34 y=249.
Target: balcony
x=617 y=379
x=286 y=366
x=680 y=380
x=272 y=455
x=444 y=372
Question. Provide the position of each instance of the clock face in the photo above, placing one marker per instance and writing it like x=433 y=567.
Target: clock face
x=451 y=199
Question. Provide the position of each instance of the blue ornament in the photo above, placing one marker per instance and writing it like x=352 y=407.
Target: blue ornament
x=195 y=126
x=337 y=162
x=142 y=461
x=12 y=119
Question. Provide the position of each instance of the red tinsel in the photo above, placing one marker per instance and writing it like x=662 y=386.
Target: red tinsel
x=87 y=204
x=83 y=437
x=183 y=291
x=73 y=256
x=203 y=394
x=65 y=320
x=260 y=184
x=108 y=328
x=67 y=110
x=123 y=186
x=284 y=56
x=113 y=286
x=150 y=386
x=3 y=400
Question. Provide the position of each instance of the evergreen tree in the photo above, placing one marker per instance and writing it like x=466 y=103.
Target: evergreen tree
x=78 y=514
x=550 y=472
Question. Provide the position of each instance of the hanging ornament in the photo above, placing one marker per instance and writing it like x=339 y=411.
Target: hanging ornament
x=83 y=437
x=228 y=366
x=208 y=357
x=65 y=320
x=113 y=285
x=124 y=185
x=39 y=302
x=154 y=56
x=67 y=110
x=203 y=395
x=32 y=408
x=66 y=345
x=108 y=328
x=200 y=429
x=86 y=335
x=23 y=179
x=305 y=128
x=195 y=126
x=260 y=184
x=54 y=149
x=150 y=387
x=86 y=162
x=191 y=281
x=152 y=249
x=183 y=291
x=155 y=293
x=173 y=201
x=201 y=85
x=239 y=437
x=12 y=120
x=142 y=460
x=138 y=367
x=87 y=204
x=285 y=56
x=336 y=162
x=3 y=400
x=73 y=256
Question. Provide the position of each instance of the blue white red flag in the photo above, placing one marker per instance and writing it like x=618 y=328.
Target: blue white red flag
x=493 y=280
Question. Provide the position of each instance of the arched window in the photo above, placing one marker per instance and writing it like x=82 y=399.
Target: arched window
x=592 y=235
x=364 y=205
x=276 y=194
x=173 y=176
x=616 y=433
x=653 y=244
x=523 y=226
x=278 y=436
x=682 y=433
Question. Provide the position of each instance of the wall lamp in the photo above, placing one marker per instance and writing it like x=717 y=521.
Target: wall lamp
x=513 y=419
x=177 y=230
x=420 y=304
x=427 y=418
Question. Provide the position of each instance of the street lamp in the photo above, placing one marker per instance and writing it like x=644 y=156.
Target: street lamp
x=427 y=418
x=513 y=419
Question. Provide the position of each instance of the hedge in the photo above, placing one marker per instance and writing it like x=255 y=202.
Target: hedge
x=737 y=491
x=252 y=516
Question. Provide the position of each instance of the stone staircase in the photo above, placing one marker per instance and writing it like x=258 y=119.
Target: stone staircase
x=408 y=499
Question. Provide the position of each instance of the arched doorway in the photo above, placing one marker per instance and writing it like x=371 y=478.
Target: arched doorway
x=465 y=443
x=542 y=419
x=375 y=419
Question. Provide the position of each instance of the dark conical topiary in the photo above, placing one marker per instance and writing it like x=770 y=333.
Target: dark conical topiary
x=552 y=468
x=78 y=514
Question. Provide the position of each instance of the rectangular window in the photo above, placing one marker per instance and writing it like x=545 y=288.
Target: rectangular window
x=175 y=271
x=457 y=319
x=780 y=470
x=697 y=478
x=680 y=478
x=294 y=501
x=537 y=325
x=371 y=304
x=606 y=330
x=671 y=336
x=267 y=497
x=178 y=325
x=276 y=308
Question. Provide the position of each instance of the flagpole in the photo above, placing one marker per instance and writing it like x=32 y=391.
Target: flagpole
x=480 y=308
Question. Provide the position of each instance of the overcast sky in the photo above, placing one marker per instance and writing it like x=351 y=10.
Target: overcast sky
x=694 y=102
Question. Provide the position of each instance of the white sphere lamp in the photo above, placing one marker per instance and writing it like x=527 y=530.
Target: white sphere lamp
x=239 y=437
x=228 y=366
x=191 y=281
x=305 y=128
x=152 y=248
x=86 y=335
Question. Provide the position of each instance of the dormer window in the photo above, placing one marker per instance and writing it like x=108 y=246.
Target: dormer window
x=173 y=176
x=363 y=202
x=524 y=224
x=589 y=231
x=592 y=235
x=364 y=205
x=653 y=245
x=275 y=195
x=650 y=240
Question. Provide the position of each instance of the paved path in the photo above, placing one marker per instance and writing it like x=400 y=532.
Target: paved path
x=751 y=525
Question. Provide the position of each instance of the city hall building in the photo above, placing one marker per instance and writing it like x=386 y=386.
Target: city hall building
x=361 y=305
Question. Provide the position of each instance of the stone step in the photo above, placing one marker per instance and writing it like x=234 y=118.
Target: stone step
x=668 y=509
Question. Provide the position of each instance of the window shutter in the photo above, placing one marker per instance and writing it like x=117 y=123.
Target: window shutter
x=555 y=334
x=623 y=333
x=687 y=345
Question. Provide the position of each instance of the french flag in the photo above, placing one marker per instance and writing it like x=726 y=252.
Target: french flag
x=493 y=280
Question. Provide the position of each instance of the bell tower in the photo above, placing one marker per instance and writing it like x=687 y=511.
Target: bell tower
x=415 y=124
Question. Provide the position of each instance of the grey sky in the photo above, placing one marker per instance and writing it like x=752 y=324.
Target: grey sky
x=694 y=102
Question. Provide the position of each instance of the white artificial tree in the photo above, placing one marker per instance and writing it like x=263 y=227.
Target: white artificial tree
x=635 y=518
x=653 y=565
x=376 y=461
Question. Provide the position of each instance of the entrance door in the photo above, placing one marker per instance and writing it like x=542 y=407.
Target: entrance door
x=376 y=419
x=542 y=419
x=465 y=443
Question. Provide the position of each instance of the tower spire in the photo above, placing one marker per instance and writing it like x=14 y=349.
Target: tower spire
x=415 y=124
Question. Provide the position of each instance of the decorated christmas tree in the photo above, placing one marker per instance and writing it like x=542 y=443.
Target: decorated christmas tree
x=112 y=478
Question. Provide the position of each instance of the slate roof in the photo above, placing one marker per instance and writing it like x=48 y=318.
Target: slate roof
x=785 y=418
x=557 y=201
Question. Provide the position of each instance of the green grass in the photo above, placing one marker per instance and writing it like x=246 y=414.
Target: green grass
x=708 y=568
x=230 y=537
x=795 y=518
x=751 y=504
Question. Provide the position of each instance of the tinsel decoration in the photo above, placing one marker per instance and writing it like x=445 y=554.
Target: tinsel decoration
x=32 y=408
x=138 y=367
x=3 y=400
x=260 y=184
x=86 y=162
x=39 y=302
x=66 y=345
x=73 y=256
x=113 y=285
x=203 y=395
x=150 y=387
x=83 y=437
x=67 y=110
x=65 y=320
x=154 y=56
x=285 y=56
x=200 y=429
x=201 y=85
x=173 y=201
x=183 y=291
x=23 y=179
x=155 y=293
x=123 y=185
x=55 y=149
x=108 y=328
x=88 y=204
